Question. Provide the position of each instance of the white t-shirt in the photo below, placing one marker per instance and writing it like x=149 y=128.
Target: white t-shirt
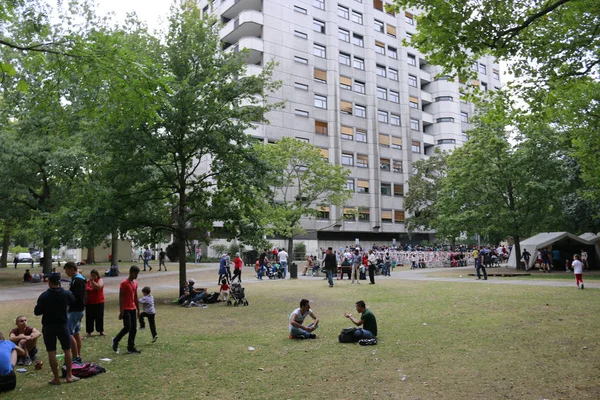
x=299 y=316
x=577 y=267
x=283 y=256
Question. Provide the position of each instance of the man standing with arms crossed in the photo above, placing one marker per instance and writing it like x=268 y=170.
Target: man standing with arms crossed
x=128 y=311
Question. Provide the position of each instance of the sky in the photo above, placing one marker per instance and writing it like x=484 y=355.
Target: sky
x=149 y=11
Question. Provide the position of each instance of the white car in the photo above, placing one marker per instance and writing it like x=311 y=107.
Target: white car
x=24 y=257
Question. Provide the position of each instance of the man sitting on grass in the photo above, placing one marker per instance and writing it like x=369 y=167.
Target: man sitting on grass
x=367 y=321
x=26 y=338
x=8 y=359
x=297 y=329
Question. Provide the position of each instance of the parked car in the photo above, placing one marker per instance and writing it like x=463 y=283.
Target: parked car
x=24 y=257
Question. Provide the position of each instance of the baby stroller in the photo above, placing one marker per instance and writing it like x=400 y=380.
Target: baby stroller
x=237 y=295
x=275 y=272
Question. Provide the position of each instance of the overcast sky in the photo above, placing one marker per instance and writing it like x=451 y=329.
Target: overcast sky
x=149 y=11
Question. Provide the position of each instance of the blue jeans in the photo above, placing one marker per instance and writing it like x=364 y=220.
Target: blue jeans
x=330 y=277
x=198 y=296
x=481 y=267
x=261 y=270
x=147 y=263
x=363 y=334
x=297 y=332
x=284 y=266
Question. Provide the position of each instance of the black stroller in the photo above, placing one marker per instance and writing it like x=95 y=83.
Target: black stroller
x=237 y=295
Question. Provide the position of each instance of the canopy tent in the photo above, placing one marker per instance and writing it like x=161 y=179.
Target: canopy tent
x=566 y=243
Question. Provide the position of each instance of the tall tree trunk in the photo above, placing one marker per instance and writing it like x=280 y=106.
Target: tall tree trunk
x=91 y=258
x=180 y=235
x=47 y=267
x=290 y=249
x=5 y=245
x=517 y=250
x=114 y=242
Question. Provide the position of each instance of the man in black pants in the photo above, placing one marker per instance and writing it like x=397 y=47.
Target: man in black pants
x=128 y=311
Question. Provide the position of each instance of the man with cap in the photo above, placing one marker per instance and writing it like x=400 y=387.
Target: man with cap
x=53 y=306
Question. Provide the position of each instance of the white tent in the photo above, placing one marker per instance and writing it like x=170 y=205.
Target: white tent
x=564 y=241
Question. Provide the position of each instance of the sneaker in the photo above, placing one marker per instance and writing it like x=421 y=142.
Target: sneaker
x=77 y=360
x=20 y=360
x=203 y=305
x=582 y=285
x=368 y=342
x=312 y=336
x=115 y=346
x=27 y=361
x=133 y=351
x=357 y=282
x=185 y=303
x=155 y=338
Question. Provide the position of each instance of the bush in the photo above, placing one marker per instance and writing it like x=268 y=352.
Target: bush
x=234 y=248
x=219 y=249
x=300 y=251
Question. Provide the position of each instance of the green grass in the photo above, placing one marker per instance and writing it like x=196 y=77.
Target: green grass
x=437 y=340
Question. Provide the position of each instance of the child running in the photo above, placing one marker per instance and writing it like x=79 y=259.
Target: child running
x=147 y=302
x=578 y=270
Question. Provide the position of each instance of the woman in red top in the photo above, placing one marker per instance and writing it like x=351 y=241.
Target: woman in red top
x=237 y=268
x=94 y=308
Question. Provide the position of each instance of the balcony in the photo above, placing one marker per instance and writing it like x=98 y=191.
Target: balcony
x=426 y=98
x=254 y=47
x=248 y=23
x=232 y=8
x=253 y=70
x=428 y=140
x=427 y=118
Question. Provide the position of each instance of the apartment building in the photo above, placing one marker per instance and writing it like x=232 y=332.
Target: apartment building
x=355 y=91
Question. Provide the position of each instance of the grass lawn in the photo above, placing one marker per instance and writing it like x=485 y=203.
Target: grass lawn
x=532 y=274
x=437 y=340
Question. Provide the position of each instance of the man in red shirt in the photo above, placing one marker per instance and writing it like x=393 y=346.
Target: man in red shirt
x=128 y=311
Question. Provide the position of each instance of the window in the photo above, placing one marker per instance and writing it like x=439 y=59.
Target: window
x=415 y=146
x=393 y=74
x=321 y=101
x=412 y=60
x=362 y=161
x=397 y=166
x=396 y=143
x=444 y=98
x=361 y=135
x=381 y=93
x=378 y=5
x=359 y=87
x=301 y=35
x=484 y=86
x=496 y=74
x=386 y=189
x=379 y=48
x=464 y=117
x=360 y=111
x=445 y=119
x=390 y=10
x=443 y=78
x=391 y=30
x=318 y=26
x=358 y=40
x=359 y=63
x=384 y=140
x=412 y=80
x=300 y=86
x=322 y=212
x=413 y=102
x=345 y=107
x=386 y=216
x=344 y=35
x=320 y=4
x=319 y=50
x=320 y=75
x=394 y=96
x=398 y=189
x=346 y=132
x=363 y=186
x=349 y=214
x=348 y=159
x=409 y=35
x=300 y=10
x=475 y=67
x=350 y=184
x=384 y=164
x=482 y=68
x=380 y=69
x=363 y=213
x=301 y=113
x=379 y=26
x=345 y=83
x=357 y=17
x=395 y=119
x=382 y=116
x=344 y=59
x=399 y=217
x=321 y=127
x=393 y=52
x=343 y=12
x=414 y=124
x=325 y=154
x=409 y=18
x=447 y=141
x=300 y=60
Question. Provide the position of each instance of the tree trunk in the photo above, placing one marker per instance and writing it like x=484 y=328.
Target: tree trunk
x=114 y=249
x=91 y=258
x=47 y=267
x=517 y=250
x=5 y=245
x=291 y=249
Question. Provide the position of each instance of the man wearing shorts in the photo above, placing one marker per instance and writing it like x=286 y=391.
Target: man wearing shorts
x=77 y=287
x=128 y=311
x=25 y=337
x=52 y=305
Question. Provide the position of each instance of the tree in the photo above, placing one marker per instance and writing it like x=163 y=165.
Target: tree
x=301 y=180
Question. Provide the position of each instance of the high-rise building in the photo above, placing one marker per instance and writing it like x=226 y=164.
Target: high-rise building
x=355 y=91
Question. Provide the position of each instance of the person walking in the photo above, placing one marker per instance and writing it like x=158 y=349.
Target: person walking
x=578 y=270
x=330 y=265
x=128 y=311
x=237 y=268
x=147 y=258
x=147 y=302
x=480 y=264
x=372 y=266
x=94 y=305
x=161 y=260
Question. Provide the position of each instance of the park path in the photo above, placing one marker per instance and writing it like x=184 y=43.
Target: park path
x=111 y=284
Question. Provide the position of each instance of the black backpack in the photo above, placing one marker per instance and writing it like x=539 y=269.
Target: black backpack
x=211 y=298
x=347 y=335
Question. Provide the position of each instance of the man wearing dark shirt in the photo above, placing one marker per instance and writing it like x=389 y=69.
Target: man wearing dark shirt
x=77 y=287
x=330 y=265
x=367 y=321
x=262 y=263
x=52 y=305
x=161 y=260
